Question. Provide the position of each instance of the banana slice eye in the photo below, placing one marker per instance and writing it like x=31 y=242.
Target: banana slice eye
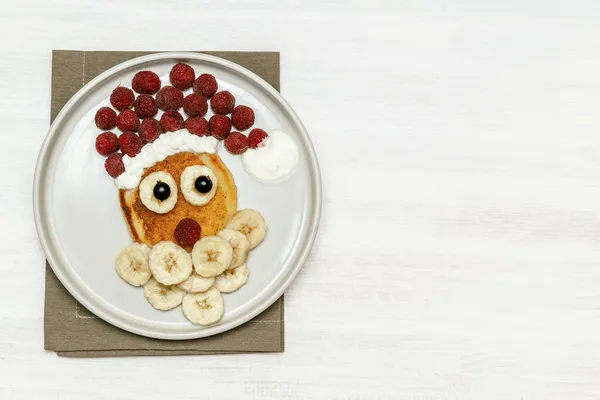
x=158 y=192
x=198 y=184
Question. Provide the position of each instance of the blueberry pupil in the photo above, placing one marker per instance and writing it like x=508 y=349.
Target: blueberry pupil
x=203 y=184
x=162 y=191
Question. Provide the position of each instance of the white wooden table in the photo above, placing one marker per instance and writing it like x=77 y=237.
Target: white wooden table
x=459 y=250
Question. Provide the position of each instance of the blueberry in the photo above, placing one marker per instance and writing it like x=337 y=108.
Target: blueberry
x=161 y=191
x=203 y=184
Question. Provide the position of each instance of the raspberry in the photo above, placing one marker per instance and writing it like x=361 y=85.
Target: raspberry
x=206 y=85
x=114 y=165
x=256 y=137
x=197 y=126
x=106 y=118
x=127 y=120
x=150 y=130
x=169 y=98
x=122 y=98
x=242 y=117
x=222 y=102
x=236 y=143
x=145 y=106
x=195 y=105
x=187 y=232
x=130 y=143
x=145 y=82
x=107 y=143
x=220 y=126
x=171 y=121
x=182 y=76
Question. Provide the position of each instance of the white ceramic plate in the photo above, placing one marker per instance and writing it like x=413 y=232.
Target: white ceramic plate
x=82 y=230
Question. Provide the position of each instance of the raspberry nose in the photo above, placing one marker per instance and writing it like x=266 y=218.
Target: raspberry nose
x=187 y=232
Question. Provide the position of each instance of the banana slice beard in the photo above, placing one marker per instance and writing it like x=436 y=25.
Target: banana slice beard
x=169 y=263
x=163 y=297
x=203 y=308
x=211 y=255
x=132 y=264
x=240 y=245
x=251 y=224
x=196 y=283
x=232 y=279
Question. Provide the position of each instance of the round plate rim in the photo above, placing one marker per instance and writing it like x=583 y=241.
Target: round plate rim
x=50 y=249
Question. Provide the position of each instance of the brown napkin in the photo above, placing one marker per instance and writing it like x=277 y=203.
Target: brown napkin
x=73 y=331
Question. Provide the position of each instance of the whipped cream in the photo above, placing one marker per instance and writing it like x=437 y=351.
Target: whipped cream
x=274 y=160
x=165 y=145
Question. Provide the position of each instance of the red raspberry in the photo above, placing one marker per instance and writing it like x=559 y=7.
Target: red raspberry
x=114 y=165
x=182 y=76
x=256 y=137
x=130 y=143
x=146 y=82
x=150 y=130
x=169 y=98
x=171 y=121
x=242 y=117
x=222 y=102
x=107 y=143
x=236 y=143
x=195 y=105
x=206 y=85
x=145 y=106
x=122 y=98
x=106 y=118
x=220 y=126
x=197 y=126
x=127 y=120
x=187 y=232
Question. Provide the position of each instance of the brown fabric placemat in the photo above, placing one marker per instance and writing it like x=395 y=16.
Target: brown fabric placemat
x=73 y=331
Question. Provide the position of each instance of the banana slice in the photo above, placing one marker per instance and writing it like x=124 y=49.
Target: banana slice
x=250 y=223
x=240 y=246
x=163 y=297
x=203 y=308
x=232 y=279
x=159 y=184
x=169 y=263
x=132 y=264
x=211 y=256
x=196 y=283
x=198 y=184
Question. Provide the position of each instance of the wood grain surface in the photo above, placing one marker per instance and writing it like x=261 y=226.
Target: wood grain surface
x=458 y=255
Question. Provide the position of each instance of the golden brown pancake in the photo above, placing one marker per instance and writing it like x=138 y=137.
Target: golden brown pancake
x=149 y=227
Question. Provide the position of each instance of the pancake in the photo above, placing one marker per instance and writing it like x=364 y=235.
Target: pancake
x=149 y=227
